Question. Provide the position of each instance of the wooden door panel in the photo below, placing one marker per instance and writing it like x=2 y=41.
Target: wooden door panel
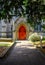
x=22 y=33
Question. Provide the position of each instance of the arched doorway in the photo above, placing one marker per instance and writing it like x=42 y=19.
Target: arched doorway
x=22 y=33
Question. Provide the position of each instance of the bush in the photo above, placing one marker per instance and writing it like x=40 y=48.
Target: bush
x=34 y=37
x=43 y=38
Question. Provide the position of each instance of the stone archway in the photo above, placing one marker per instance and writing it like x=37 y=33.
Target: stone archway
x=21 y=23
x=22 y=33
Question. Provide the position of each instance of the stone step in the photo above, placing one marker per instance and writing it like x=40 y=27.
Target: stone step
x=26 y=42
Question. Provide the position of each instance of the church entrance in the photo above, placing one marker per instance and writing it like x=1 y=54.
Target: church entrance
x=22 y=33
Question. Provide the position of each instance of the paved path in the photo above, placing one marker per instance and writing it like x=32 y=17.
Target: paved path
x=23 y=53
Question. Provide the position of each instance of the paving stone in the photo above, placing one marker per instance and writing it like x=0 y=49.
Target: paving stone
x=23 y=56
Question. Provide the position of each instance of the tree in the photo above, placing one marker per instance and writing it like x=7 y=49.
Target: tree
x=8 y=7
x=29 y=8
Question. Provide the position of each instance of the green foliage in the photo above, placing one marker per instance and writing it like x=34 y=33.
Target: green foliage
x=43 y=38
x=43 y=26
x=31 y=23
x=6 y=45
x=25 y=2
x=8 y=7
x=28 y=8
x=34 y=37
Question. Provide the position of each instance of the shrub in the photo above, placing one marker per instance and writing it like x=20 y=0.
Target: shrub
x=43 y=38
x=34 y=37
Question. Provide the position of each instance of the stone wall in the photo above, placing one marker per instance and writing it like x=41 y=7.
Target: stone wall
x=20 y=22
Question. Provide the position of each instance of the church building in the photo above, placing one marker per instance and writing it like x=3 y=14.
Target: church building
x=17 y=29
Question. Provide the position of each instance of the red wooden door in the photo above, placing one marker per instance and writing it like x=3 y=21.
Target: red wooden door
x=22 y=33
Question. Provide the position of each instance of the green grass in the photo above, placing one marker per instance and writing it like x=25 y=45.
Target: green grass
x=5 y=44
x=37 y=43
